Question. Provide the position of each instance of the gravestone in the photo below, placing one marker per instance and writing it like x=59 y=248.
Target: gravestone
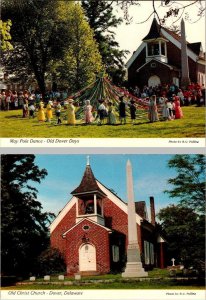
x=32 y=278
x=77 y=276
x=47 y=277
x=61 y=277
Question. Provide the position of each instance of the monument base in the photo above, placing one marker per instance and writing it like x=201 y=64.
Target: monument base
x=134 y=269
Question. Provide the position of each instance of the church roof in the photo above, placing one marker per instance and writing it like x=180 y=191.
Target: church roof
x=88 y=183
x=195 y=47
x=155 y=31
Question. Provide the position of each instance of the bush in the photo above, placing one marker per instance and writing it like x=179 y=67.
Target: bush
x=50 y=262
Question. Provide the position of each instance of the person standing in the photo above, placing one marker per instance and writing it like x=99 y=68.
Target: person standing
x=71 y=112
x=41 y=113
x=122 y=110
x=133 y=111
x=49 y=114
x=88 y=117
x=102 y=112
x=111 y=115
x=58 y=112
x=153 y=114
x=178 y=110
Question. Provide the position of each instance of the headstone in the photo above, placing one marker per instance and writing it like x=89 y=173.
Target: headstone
x=32 y=278
x=47 y=277
x=61 y=277
x=173 y=262
x=77 y=276
x=134 y=265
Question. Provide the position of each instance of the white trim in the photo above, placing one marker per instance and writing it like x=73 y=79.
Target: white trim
x=62 y=213
x=81 y=222
x=117 y=201
x=72 y=201
x=135 y=55
x=160 y=239
x=178 y=44
x=171 y=68
x=201 y=62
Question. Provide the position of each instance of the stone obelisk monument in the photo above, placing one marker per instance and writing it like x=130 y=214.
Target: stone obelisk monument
x=134 y=265
x=185 y=80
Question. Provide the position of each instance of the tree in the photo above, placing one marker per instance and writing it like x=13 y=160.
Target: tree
x=81 y=61
x=5 y=36
x=41 y=34
x=102 y=20
x=24 y=225
x=189 y=184
x=184 y=230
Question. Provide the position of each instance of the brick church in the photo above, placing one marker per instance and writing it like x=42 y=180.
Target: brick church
x=91 y=231
x=163 y=58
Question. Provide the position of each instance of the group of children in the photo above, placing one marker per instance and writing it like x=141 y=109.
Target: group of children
x=105 y=112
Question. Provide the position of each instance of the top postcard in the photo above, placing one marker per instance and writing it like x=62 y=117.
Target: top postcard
x=78 y=69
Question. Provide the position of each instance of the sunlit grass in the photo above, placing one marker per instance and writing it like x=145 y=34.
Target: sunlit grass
x=192 y=125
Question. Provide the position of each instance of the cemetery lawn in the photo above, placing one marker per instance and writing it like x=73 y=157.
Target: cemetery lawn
x=159 y=279
x=191 y=126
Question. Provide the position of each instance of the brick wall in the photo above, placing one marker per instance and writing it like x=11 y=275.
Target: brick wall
x=66 y=223
x=97 y=236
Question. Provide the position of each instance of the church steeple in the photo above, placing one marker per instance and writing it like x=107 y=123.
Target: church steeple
x=156 y=47
x=89 y=197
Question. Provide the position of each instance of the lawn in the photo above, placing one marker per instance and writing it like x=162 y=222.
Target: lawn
x=192 y=125
x=157 y=279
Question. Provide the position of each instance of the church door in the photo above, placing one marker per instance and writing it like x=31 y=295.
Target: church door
x=87 y=258
x=154 y=81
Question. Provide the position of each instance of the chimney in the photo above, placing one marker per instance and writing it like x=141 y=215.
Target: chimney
x=152 y=210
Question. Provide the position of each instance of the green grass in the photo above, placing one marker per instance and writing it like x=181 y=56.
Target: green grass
x=192 y=125
x=159 y=280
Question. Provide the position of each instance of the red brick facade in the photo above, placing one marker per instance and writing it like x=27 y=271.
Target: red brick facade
x=97 y=241
x=166 y=74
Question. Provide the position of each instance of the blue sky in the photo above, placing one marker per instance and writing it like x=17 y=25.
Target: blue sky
x=150 y=175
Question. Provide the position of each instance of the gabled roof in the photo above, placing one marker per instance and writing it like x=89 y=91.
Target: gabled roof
x=89 y=220
x=195 y=47
x=88 y=183
x=155 y=31
x=153 y=59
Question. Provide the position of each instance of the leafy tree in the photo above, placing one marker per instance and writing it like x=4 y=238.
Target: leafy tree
x=81 y=61
x=5 y=36
x=102 y=20
x=42 y=36
x=185 y=234
x=24 y=225
x=189 y=184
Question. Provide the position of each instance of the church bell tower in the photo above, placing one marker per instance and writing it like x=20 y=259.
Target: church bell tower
x=89 y=203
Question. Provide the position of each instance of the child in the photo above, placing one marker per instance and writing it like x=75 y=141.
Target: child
x=41 y=113
x=49 y=111
x=58 y=112
x=111 y=115
x=102 y=112
x=153 y=115
x=31 y=110
x=71 y=112
x=25 y=109
x=88 y=113
x=122 y=110
x=132 y=111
